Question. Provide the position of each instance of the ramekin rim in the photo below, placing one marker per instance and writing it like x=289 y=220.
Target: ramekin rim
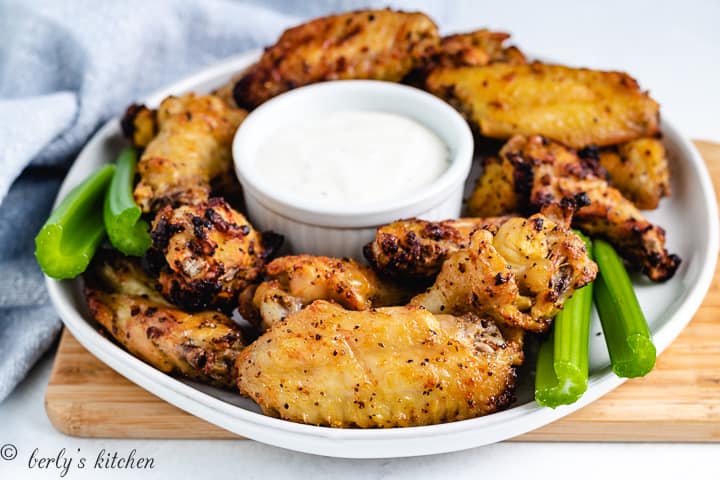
x=319 y=214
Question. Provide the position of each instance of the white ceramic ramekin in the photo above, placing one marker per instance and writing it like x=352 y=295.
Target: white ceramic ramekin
x=334 y=230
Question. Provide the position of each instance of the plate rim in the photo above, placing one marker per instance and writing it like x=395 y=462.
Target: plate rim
x=368 y=443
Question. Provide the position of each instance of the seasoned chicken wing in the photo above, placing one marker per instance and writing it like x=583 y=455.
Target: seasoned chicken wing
x=187 y=144
x=494 y=192
x=386 y=367
x=639 y=169
x=296 y=281
x=369 y=44
x=115 y=273
x=473 y=49
x=139 y=125
x=575 y=106
x=470 y=49
x=558 y=172
x=205 y=254
x=201 y=346
x=521 y=276
x=477 y=48
x=414 y=249
x=545 y=172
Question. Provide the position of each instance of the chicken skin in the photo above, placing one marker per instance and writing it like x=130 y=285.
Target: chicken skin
x=293 y=282
x=575 y=106
x=386 y=367
x=494 y=192
x=187 y=145
x=639 y=169
x=545 y=172
x=201 y=346
x=368 y=44
x=205 y=254
x=414 y=249
x=139 y=125
x=520 y=277
x=478 y=48
x=471 y=49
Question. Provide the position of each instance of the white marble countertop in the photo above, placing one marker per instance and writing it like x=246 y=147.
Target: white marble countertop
x=672 y=48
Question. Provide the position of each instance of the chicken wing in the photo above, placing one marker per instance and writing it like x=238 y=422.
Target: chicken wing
x=187 y=144
x=201 y=346
x=414 y=249
x=639 y=169
x=575 y=106
x=559 y=172
x=521 y=276
x=205 y=254
x=369 y=44
x=477 y=48
x=494 y=192
x=296 y=281
x=139 y=125
x=386 y=367
x=545 y=172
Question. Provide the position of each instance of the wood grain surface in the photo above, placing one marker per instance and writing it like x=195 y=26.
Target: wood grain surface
x=678 y=401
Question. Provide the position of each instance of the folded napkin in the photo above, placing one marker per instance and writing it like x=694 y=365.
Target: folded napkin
x=65 y=68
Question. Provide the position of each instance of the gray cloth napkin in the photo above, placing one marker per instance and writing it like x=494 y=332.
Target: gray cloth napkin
x=68 y=66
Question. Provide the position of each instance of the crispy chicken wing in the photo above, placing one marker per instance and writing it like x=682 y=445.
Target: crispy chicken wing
x=201 y=346
x=207 y=253
x=478 y=48
x=545 y=172
x=494 y=192
x=414 y=249
x=575 y=106
x=470 y=49
x=187 y=145
x=113 y=272
x=521 y=276
x=557 y=172
x=369 y=44
x=639 y=169
x=296 y=281
x=386 y=367
x=139 y=125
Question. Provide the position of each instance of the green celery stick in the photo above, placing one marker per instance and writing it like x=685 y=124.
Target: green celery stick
x=68 y=240
x=126 y=230
x=627 y=335
x=562 y=365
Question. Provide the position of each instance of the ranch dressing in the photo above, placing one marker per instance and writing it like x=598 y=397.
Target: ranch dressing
x=353 y=158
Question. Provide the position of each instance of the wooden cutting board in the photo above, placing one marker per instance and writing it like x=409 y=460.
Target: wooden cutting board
x=678 y=401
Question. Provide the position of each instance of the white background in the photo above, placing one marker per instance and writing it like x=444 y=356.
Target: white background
x=673 y=49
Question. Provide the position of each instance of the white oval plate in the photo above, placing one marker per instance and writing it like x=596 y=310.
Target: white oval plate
x=689 y=216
